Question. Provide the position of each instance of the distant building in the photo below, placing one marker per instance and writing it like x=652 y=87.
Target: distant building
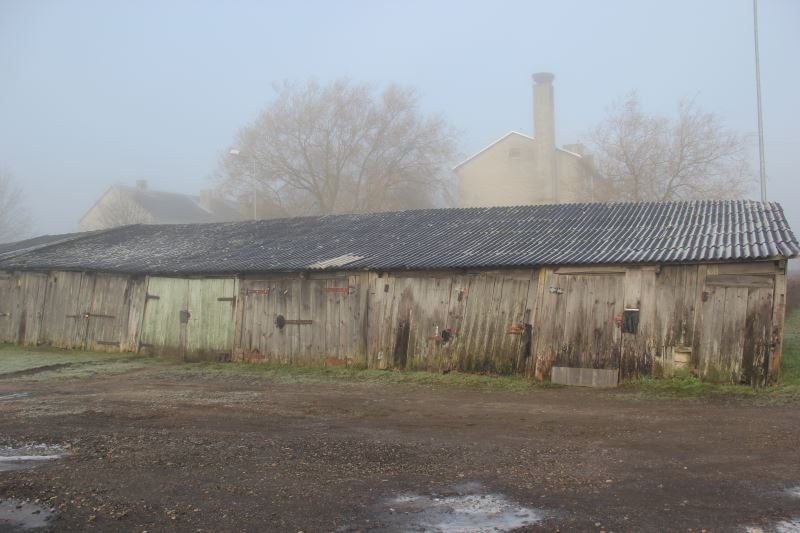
x=121 y=205
x=519 y=169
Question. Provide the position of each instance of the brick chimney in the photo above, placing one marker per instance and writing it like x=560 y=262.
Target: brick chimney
x=544 y=131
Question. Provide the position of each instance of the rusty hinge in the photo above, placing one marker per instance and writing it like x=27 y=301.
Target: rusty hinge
x=347 y=290
x=299 y=322
x=515 y=329
x=262 y=292
x=227 y=299
x=149 y=296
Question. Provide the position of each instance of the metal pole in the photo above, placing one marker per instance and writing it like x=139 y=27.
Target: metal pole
x=255 y=192
x=762 y=164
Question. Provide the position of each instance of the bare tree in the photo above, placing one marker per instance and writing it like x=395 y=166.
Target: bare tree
x=340 y=148
x=640 y=157
x=15 y=219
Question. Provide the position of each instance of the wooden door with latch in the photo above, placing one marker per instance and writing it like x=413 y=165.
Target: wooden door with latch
x=209 y=319
x=734 y=334
x=292 y=320
x=107 y=314
x=577 y=327
x=66 y=305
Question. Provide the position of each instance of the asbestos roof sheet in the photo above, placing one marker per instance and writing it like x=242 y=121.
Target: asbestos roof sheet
x=496 y=237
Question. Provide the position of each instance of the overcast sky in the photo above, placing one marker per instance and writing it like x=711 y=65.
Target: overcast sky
x=97 y=93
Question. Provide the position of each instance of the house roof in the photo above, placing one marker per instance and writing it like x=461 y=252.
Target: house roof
x=171 y=207
x=496 y=237
x=503 y=138
x=175 y=208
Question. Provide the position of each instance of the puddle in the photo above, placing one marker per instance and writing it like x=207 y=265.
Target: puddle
x=789 y=526
x=18 y=515
x=785 y=526
x=467 y=509
x=28 y=456
x=15 y=396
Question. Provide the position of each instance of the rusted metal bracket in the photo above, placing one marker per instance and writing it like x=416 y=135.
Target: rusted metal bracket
x=261 y=292
x=227 y=299
x=346 y=290
x=299 y=322
x=515 y=329
x=149 y=296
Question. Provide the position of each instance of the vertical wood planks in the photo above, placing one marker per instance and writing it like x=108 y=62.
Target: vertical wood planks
x=161 y=326
x=778 y=317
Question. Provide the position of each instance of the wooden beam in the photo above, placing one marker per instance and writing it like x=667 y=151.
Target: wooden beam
x=778 y=316
x=740 y=280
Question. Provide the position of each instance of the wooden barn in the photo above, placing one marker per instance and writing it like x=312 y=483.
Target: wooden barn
x=580 y=293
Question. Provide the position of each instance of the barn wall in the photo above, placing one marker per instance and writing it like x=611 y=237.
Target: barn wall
x=723 y=322
x=720 y=322
x=479 y=321
x=21 y=300
x=67 y=309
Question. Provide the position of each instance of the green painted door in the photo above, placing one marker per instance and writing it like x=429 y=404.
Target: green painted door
x=209 y=331
x=191 y=319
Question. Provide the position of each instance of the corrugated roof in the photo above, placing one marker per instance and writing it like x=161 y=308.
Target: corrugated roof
x=494 y=237
x=15 y=248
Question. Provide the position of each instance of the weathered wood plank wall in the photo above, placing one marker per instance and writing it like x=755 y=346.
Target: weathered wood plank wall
x=68 y=309
x=443 y=321
x=714 y=320
x=722 y=321
x=292 y=320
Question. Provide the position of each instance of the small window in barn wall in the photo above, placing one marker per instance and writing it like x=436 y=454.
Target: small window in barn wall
x=630 y=321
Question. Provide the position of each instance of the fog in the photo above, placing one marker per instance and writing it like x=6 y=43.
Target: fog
x=101 y=93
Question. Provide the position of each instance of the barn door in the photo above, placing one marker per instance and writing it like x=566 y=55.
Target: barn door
x=577 y=326
x=191 y=319
x=735 y=333
x=208 y=327
x=107 y=313
x=292 y=320
x=66 y=307
x=162 y=329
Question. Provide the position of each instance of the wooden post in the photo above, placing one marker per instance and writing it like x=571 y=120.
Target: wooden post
x=778 y=315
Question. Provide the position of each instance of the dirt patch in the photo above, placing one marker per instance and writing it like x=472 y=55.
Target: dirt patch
x=36 y=370
x=156 y=452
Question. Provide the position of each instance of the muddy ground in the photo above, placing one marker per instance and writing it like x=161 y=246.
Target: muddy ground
x=151 y=452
